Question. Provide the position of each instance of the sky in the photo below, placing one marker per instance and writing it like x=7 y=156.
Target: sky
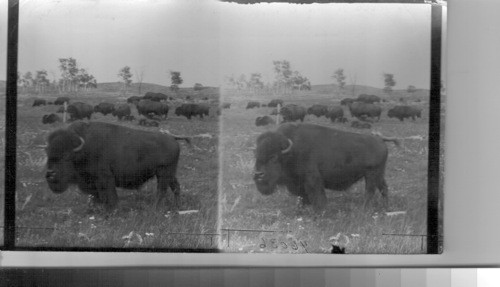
x=208 y=40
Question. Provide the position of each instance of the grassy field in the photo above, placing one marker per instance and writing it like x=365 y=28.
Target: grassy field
x=44 y=219
x=344 y=222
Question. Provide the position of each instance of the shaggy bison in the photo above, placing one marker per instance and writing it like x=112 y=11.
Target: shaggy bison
x=39 y=102
x=264 y=121
x=252 y=105
x=50 y=119
x=99 y=157
x=157 y=97
x=360 y=110
x=134 y=100
x=226 y=105
x=192 y=110
x=403 y=112
x=121 y=111
x=347 y=101
x=292 y=113
x=60 y=101
x=358 y=125
x=104 y=108
x=308 y=158
x=369 y=99
x=79 y=110
x=336 y=113
x=148 y=108
x=148 y=123
x=274 y=103
x=317 y=110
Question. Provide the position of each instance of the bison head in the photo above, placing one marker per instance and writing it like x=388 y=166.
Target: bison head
x=63 y=145
x=271 y=147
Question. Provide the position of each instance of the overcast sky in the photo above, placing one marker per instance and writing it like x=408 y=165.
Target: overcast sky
x=208 y=40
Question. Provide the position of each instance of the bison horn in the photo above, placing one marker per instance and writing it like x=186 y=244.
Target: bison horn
x=78 y=148
x=288 y=148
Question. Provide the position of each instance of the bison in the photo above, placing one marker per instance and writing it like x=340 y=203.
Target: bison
x=157 y=97
x=134 y=100
x=226 y=105
x=129 y=118
x=191 y=110
x=307 y=158
x=148 y=108
x=39 y=102
x=264 y=121
x=252 y=105
x=79 y=110
x=104 y=108
x=347 y=101
x=368 y=99
x=336 y=113
x=403 y=112
x=99 y=157
x=317 y=110
x=61 y=100
x=50 y=119
x=121 y=111
x=359 y=110
x=292 y=113
x=274 y=103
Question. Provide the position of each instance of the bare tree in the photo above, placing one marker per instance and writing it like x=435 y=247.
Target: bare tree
x=126 y=76
x=352 y=81
x=139 y=78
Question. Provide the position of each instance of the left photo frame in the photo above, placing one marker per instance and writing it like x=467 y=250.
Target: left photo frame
x=117 y=131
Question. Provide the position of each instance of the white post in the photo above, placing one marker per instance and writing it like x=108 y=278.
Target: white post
x=65 y=109
x=278 y=109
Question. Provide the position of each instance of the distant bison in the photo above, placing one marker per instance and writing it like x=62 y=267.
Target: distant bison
x=60 y=101
x=403 y=112
x=134 y=100
x=226 y=105
x=336 y=113
x=292 y=113
x=39 y=102
x=252 y=105
x=308 y=158
x=274 y=103
x=264 y=121
x=347 y=101
x=192 y=110
x=129 y=118
x=79 y=110
x=360 y=110
x=148 y=108
x=274 y=112
x=104 y=108
x=369 y=99
x=317 y=110
x=358 y=125
x=99 y=157
x=157 y=97
x=50 y=119
x=148 y=123
x=121 y=111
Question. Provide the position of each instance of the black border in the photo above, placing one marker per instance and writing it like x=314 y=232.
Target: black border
x=11 y=139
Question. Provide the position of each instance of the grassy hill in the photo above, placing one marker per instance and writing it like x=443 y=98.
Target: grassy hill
x=362 y=89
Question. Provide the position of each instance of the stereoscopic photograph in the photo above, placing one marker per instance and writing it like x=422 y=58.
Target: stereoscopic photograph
x=215 y=126
x=325 y=128
x=117 y=126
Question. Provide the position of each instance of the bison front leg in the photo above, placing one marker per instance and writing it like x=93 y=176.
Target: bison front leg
x=315 y=190
x=107 y=192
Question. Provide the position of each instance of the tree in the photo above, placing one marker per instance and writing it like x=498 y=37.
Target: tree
x=85 y=80
x=139 y=77
x=125 y=76
x=411 y=89
x=255 y=83
x=176 y=80
x=340 y=78
x=389 y=82
x=353 y=79
x=69 y=72
x=27 y=81
x=41 y=82
x=283 y=72
x=300 y=82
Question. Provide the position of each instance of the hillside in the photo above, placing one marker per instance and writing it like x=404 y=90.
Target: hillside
x=361 y=89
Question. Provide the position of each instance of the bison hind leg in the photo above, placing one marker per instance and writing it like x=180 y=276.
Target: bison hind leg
x=166 y=178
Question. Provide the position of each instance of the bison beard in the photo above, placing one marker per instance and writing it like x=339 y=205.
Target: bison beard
x=98 y=157
x=308 y=158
